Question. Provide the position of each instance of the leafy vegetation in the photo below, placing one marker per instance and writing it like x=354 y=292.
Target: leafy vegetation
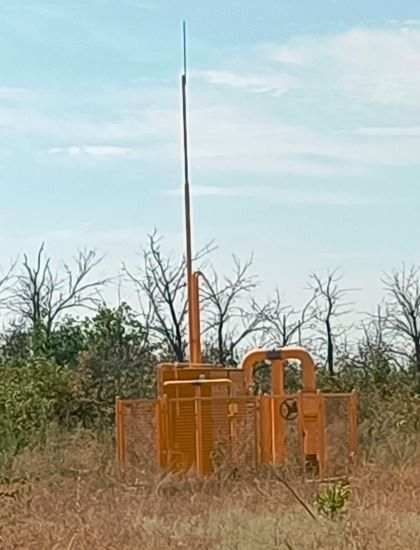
x=332 y=502
x=61 y=371
x=60 y=367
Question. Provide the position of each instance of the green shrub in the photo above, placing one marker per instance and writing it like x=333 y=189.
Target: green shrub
x=32 y=395
x=332 y=502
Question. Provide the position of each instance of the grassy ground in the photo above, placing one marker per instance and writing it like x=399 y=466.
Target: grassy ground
x=72 y=497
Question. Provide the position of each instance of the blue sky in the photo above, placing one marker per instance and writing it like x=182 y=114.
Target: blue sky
x=304 y=127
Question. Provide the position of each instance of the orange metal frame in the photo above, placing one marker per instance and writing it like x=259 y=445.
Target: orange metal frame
x=191 y=407
x=188 y=406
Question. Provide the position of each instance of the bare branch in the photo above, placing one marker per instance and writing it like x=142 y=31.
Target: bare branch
x=227 y=323
x=402 y=316
x=40 y=296
x=160 y=283
x=328 y=306
x=6 y=285
x=283 y=325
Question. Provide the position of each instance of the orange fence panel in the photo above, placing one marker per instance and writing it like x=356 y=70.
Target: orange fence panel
x=139 y=432
x=340 y=433
x=309 y=433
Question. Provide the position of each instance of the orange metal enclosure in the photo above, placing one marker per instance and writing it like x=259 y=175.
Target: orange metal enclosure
x=204 y=417
x=207 y=416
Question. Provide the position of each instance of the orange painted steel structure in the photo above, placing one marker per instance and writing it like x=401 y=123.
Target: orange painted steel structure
x=202 y=409
x=195 y=336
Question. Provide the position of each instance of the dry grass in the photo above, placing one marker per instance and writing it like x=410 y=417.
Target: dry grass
x=72 y=497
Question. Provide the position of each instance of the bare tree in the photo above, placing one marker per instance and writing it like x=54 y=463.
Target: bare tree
x=161 y=287
x=229 y=316
x=283 y=325
x=374 y=348
x=6 y=278
x=329 y=305
x=40 y=295
x=373 y=330
x=402 y=315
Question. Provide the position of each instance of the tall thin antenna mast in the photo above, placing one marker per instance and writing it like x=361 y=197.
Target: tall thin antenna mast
x=186 y=175
x=192 y=278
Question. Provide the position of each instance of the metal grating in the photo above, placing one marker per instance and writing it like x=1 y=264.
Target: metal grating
x=138 y=433
x=293 y=447
x=210 y=432
x=337 y=434
x=244 y=431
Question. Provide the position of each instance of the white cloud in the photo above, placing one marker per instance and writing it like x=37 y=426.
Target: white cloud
x=411 y=22
x=380 y=66
x=145 y=113
x=270 y=84
x=92 y=151
x=289 y=55
x=226 y=139
x=285 y=194
x=15 y=94
x=390 y=131
x=366 y=64
x=368 y=71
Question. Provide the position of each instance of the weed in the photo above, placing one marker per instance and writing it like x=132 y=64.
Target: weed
x=332 y=503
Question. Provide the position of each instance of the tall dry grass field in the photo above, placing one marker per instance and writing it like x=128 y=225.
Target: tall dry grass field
x=70 y=495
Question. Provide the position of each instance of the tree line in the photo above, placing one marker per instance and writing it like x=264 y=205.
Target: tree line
x=65 y=354
x=43 y=302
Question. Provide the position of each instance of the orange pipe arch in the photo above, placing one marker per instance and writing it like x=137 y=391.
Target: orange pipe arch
x=277 y=357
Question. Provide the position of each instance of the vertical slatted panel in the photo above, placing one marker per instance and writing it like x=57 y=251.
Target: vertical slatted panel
x=215 y=425
x=182 y=430
x=226 y=427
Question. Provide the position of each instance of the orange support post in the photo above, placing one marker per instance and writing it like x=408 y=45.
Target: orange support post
x=195 y=336
x=353 y=425
x=198 y=431
x=265 y=431
x=120 y=431
x=322 y=454
x=301 y=428
x=277 y=390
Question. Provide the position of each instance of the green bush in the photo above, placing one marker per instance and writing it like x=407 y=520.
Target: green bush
x=118 y=359
x=332 y=502
x=33 y=394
